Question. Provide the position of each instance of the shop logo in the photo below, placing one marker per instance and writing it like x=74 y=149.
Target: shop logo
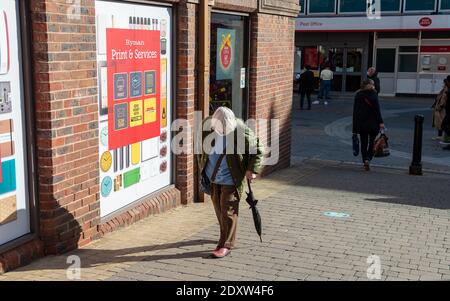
x=425 y=22
x=225 y=51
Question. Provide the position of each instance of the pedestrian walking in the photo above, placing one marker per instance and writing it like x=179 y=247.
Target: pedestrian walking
x=446 y=121
x=439 y=110
x=372 y=74
x=367 y=120
x=326 y=76
x=306 y=86
x=234 y=157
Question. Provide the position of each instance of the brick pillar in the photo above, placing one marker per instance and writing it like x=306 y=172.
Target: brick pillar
x=65 y=84
x=186 y=92
x=271 y=71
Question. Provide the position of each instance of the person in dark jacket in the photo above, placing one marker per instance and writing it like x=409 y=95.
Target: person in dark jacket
x=446 y=122
x=306 y=86
x=372 y=74
x=367 y=120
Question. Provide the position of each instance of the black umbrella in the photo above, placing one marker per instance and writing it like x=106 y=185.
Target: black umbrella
x=256 y=216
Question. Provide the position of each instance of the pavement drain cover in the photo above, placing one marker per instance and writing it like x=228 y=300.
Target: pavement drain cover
x=336 y=214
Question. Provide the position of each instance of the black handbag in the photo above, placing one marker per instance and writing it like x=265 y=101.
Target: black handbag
x=355 y=141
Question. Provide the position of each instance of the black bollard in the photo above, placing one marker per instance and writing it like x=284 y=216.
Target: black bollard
x=416 y=165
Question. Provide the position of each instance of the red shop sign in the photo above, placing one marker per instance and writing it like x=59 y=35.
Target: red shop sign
x=431 y=49
x=425 y=22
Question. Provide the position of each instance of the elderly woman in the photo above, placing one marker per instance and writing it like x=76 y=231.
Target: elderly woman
x=234 y=155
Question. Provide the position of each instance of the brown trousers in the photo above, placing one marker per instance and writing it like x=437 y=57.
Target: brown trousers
x=226 y=205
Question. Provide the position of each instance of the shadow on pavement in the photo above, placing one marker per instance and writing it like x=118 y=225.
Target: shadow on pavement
x=382 y=185
x=93 y=257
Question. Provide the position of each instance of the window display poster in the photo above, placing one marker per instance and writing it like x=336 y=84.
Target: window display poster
x=225 y=53
x=134 y=57
x=14 y=207
x=133 y=60
x=311 y=57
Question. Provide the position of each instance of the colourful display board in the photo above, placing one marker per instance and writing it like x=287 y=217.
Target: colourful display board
x=14 y=211
x=134 y=59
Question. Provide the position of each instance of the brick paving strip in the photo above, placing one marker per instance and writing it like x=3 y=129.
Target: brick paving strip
x=402 y=219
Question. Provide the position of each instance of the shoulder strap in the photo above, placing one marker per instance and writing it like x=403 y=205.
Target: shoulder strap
x=368 y=102
x=219 y=161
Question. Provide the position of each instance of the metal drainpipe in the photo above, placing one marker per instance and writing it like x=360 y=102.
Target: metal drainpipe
x=204 y=40
x=203 y=75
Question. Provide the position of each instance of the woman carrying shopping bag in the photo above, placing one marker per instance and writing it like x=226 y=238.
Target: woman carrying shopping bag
x=367 y=120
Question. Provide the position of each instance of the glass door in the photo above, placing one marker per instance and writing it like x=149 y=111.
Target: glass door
x=337 y=60
x=353 y=68
x=229 y=63
x=347 y=66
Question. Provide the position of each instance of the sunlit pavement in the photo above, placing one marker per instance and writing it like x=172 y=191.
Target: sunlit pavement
x=323 y=219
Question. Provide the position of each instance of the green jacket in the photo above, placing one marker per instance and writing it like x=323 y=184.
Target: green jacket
x=239 y=160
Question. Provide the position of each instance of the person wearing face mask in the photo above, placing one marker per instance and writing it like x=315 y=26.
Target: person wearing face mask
x=234 y=155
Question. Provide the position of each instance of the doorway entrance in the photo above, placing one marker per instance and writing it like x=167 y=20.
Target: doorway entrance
x=347 y=66
x=229 y=63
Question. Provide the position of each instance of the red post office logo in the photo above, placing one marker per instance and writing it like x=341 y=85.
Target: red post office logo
x=425 y=22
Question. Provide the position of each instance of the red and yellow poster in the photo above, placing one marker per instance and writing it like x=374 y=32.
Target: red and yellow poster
x=133 y=60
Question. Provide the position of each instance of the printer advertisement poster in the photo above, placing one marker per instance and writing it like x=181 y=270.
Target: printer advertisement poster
x=134 y=71
x=14 y=214
x=133 y=85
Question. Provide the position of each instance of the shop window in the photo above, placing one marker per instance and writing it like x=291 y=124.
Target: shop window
x=407 y=63
x=420 y=5
x=390 y=5
x=228 y=63
x=386 y=60
x=302 y=7
x=445 y=5
x=134 y=54
x=352 y=6
x=14 y=194
x=322 y=6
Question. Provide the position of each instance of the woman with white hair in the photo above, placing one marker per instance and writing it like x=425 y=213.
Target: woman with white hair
x=234 y=155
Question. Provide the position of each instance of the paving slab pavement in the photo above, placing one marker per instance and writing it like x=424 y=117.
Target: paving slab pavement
x=399 y=221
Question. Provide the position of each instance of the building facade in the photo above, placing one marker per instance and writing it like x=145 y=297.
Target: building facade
x=408 y=41
x=89 y=93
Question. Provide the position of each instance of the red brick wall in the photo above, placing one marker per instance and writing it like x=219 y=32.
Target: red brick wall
x=66 y=111
x=271 y=69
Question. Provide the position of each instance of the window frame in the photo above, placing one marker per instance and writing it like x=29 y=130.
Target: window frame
x=406 y=53
x=442 y=9
x=399 y=11
x=350 y=13
x=322 y=13
x=302 y=11
x=420 y=10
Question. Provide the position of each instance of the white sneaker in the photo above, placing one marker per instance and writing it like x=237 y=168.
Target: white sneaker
x=316 y=102
x=326 y=103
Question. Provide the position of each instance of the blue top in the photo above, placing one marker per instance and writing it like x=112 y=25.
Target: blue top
x=223 y=176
